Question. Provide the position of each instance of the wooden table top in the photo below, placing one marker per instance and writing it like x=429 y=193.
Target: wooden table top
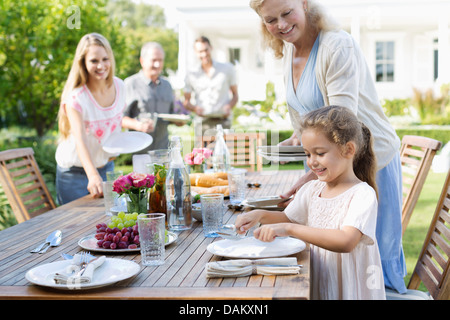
x=181 y=277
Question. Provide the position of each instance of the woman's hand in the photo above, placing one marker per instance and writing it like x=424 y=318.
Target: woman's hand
x=293 y=140
x=310 y=175
x=95 y=186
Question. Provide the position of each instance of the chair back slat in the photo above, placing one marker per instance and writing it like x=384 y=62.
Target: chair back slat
x=23 y=184
x=416 y=156
x=434 y=260
x=242 y=147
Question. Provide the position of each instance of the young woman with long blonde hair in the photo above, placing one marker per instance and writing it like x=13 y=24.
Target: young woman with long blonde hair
x=91 y=109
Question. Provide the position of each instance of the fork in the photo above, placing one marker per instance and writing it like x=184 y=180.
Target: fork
x=84 y=259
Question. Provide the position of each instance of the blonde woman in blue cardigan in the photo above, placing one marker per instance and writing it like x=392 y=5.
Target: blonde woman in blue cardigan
x=325 y=66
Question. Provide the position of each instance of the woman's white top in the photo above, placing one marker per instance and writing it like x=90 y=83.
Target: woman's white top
x=344 y=79
x=99 y=123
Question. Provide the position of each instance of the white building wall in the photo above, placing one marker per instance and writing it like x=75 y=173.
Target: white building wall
x=411 y=24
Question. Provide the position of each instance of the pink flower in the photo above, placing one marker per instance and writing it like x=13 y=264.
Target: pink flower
x=197 y=156
x=121 y=184
x=133 y=182
x=198 y=159
x=139 y=179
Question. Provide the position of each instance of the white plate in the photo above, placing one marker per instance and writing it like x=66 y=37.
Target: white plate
x=174 y=117
x=90 y=243
x=281 y=149
x=282 y=158
x=282 y=154
x=111 y=271
x=253 y=206
x=127 y=142
x=265 y=201
x=249 y=248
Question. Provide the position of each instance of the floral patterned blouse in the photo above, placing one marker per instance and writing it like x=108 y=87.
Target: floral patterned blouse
x=99 y=122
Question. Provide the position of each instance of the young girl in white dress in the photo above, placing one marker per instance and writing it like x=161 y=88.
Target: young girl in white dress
x=337 y=213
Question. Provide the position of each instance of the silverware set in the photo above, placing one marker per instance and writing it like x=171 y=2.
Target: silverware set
x=52 y=240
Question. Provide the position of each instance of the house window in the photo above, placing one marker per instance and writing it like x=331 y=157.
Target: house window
x=235 y=55
x=385 y=61
x=435 y=59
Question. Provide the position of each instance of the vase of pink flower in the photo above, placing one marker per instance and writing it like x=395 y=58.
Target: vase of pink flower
x=136 y=186
x=197 y=159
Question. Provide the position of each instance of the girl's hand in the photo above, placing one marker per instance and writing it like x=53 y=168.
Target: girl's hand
x=95 y=186
x=246 y=220
x=269 y=232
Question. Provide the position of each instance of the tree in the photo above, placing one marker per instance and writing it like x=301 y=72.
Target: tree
x=38 y=39
x=143 y=23
x=136 y=15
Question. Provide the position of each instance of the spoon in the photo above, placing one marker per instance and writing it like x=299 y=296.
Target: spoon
x=55 y=241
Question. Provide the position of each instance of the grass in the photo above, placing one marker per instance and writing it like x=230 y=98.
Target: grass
x=418 y=225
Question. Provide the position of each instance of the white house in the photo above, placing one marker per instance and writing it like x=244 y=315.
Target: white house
x=406 y=42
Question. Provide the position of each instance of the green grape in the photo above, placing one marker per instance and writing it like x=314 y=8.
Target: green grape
x=120 y=225
x=129 y=223
x=111 y=225
x=121 y=214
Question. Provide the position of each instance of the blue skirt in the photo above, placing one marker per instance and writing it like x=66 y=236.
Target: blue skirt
x=71 y=183
x=389 y=225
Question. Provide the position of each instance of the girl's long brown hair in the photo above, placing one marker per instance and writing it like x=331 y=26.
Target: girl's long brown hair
x=78 y=75
x=340 y=126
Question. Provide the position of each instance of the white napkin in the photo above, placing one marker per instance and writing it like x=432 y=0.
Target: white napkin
x=246 y=267
x=69 y=277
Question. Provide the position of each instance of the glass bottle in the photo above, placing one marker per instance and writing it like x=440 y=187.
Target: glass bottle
x=178 y=190
x=221 y=154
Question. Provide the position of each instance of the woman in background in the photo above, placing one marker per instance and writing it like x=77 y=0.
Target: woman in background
x=325 y=66
x=91 y=110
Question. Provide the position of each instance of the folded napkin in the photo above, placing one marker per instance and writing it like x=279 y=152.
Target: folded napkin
x=71 y=273
x=246 y=267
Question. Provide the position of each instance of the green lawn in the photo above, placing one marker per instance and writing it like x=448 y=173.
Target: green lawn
x=423 y=213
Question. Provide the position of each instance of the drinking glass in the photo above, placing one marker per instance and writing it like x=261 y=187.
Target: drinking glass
x=152 y=238
x=109 y=196
x=236 y=184
x=212 y=213
x=113 y=175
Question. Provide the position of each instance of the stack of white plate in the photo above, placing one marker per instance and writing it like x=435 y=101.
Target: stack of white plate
x=282 y=153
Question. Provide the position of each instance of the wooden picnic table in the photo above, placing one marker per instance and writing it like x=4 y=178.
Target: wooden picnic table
x=181 y=277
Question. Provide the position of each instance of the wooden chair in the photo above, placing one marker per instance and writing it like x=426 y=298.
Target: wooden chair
x=432 y=267
x=416 y=155
x=242 y=146
x=23 y=184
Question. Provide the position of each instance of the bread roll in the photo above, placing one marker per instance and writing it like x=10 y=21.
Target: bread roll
x=218 y=189
x=220 y=175
x=206 y=180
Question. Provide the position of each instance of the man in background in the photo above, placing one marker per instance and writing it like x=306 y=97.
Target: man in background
x=147 y=93
x=215 y=90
